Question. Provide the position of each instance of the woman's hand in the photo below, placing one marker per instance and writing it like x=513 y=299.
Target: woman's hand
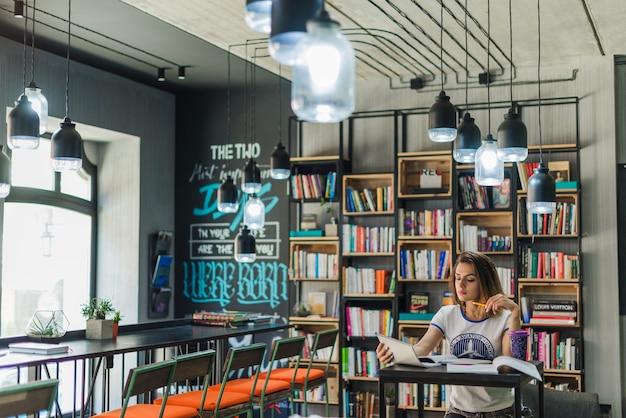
x=384 y=354
x=497 y=302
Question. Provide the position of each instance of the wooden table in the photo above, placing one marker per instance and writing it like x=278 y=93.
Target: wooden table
x=409 y=374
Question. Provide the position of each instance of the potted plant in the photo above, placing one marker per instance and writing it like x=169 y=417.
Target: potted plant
x=47 y=326
x=96 y=312
x=390 y=401
x=117 y=317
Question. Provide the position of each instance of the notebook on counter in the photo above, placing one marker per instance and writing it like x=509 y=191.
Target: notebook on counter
x=38 y=348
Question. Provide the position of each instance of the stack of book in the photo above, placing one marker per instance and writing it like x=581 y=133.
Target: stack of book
x=553 y=312
x=220 y=319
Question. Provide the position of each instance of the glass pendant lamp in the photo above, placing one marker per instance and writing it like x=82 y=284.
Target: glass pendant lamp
x=541 y=197
x=245 y=246
x=467 y=139
x=5 y=174
x=254 y=212
x=251 y=180
x=227 y=201
x=512 y=133
x=489 y=168
x=442 y=115
x=258 y=15
x=289 y=18
x=322 y=87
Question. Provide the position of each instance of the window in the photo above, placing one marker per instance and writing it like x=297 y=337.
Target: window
x=48 y=240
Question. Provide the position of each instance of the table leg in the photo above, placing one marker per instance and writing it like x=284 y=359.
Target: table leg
x=420 y=400
x=540 y=389
x=382 y=411
x=518 y=400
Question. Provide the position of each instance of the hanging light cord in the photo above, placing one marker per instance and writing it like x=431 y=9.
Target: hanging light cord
x=466 y=63
x=32 y=45
x=24 y=46
x=539 y=77
x=280 y=102
x=67 y=75
x=441 y=43
x=488 y=74
x=511 y=52
x=228 y=111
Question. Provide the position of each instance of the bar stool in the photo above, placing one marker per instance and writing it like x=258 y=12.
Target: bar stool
x=145 y=379
x=28 y=398
x=220 y=400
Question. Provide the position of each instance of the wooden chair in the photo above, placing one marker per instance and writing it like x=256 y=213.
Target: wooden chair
x=145 y=379
x=28 y=398
x=269 y=390
x=315 y=374
x=220 y=400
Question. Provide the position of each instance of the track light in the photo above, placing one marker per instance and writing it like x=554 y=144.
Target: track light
x=181 y=72
x=161 y=74
x=245 y=246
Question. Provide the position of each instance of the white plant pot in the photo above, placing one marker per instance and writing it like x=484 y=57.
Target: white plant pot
x=99 y=329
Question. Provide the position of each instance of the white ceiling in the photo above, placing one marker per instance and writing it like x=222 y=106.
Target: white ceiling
x=394 y=39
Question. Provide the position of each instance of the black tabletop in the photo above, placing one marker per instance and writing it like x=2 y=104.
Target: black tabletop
x=137 y=340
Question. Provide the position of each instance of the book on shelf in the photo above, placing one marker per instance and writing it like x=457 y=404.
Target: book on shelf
x=417 y=301
x=38 y=348
x=408 y=316
x=317 y=301
x=501 y=194
x=554 y=305
x=550 y=320
x=222 y=319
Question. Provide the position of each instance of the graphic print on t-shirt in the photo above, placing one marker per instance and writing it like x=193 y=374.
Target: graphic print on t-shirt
x=472 y=345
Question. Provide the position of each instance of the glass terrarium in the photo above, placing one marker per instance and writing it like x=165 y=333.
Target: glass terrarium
x=47 y=325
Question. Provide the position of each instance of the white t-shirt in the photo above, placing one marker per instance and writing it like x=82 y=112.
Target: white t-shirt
x=474 y=339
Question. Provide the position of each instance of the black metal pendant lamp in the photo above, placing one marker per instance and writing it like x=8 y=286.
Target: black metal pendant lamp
x=280 y=164
x=245 y=246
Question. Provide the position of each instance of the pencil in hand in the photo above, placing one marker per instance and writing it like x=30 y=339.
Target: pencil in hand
x=479 y=304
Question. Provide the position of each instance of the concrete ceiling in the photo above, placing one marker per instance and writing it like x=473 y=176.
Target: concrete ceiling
x=396 y=40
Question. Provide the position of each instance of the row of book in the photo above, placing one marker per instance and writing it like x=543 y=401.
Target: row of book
x=314 y=186
x=477 y=238
x=314 y=265
x=426 y=223
x=368 y=239
x=361 y=322
x=474 y=196
x=379 y=199
x=434 y=395
x=321 y=354
x=356 y=361
x=560 y=222
x=220 y=319
x=507 y=279
x=553 y=312
x=547 y=264
x=361 y=404
x=425 y=264
x=555 y=351
x=365 y=280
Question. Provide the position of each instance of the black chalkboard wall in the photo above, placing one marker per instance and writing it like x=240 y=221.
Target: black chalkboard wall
x=206 y=275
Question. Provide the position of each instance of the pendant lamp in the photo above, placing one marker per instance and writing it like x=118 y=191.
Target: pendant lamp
x=227 y=194
x=5 y=174
x=512 y=134
x=254 y=212
x=280 y=164
x=289 y=19
x=66 y=144
x=251 y=180
x=467 y=139
x=489 y=169
x=258 y=15
x=541 y=196
x=22 y=120
x=322 y=88
x=442 y=115
x=245 y=246
x=32 y=91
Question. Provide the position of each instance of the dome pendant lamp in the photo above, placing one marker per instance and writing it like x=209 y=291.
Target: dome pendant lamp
x=66 y=144
x=254 y=212
x=467 y=133
x=289 y=19
x=489 y=169
x=258 y=15
x=251 y=180
x=322 y=87
x=22 y=120
x=245 y=246
x=512 y=133
x=5 y=174
x=442 y=115
x=32 y=91
x=541 y=196
x=227 y=196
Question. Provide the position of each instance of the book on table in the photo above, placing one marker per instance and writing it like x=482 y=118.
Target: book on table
x=38 y=348
x=403 y=353
x=495 y=366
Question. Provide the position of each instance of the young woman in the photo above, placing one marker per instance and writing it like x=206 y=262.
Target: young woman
x=476 y=326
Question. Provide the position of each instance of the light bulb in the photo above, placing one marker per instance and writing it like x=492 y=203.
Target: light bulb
x=254 y=213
